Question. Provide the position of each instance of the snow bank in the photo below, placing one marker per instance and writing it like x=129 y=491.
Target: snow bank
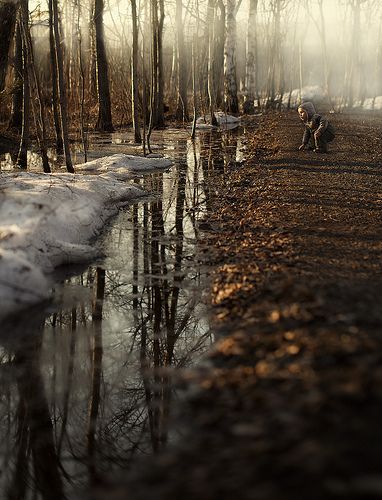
x=48 y=219
x=313 y=93
x=372 y=104
x=124 y=164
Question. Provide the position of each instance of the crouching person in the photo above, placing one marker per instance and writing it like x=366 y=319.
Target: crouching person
x=318 y=130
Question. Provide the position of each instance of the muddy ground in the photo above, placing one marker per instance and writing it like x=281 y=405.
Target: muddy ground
x=289 y=403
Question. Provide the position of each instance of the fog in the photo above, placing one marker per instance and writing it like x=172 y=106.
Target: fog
x=334 y=46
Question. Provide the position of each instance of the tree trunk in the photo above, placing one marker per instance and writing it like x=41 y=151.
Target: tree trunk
x=324 y=51
x=55 y=92
x=82 y=79
x=194 y=91
x=61 y=88
x=134 y=75
x=275 y=57
x=210 y=74
x=37 y=105
x=160 y=102
x=16 y=119
x=7 y=26
x=230 y=83
x=251 y=59
x=218 y=57
x=93 y=54
x=22 y=157
x=104 y=122
x=154 y=73
x=182 y=106
x=354 y=78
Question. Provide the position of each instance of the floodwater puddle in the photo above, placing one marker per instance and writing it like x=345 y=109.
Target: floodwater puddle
x=87 y=379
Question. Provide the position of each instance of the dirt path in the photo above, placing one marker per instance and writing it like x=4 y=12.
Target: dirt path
x=290 y=405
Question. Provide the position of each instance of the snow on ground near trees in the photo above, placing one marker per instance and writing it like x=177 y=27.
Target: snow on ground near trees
x=313 y=93
x=222 y=118
x=121 y=163
x=48 y=219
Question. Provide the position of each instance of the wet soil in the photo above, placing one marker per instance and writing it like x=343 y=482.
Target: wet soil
x=289 y=402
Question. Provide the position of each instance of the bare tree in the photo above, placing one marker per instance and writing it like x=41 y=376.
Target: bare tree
x=275 y=82
x=62 y=88
x=210 y=73
x=230 y=80
x=16 y=119
x=55 y=88
x=22 y=157
x=354 y=79
x=251 y=90
x=34 y=87
x=182 y=106
x=134 y=74
x=104 y=121
x=7 y=26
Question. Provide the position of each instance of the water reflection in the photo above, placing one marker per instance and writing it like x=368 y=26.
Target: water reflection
x=88 y=386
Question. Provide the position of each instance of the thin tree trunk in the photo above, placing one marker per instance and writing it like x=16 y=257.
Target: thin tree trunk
x=324 y=51
x=82 y=79
x=93 y=54
x=160 y=80
x=182 y=107
x=251 y=59
x=55 y=93
x=104 y=122
x=16 y=119
x=62 y=89
x=210 y=78
x=22 y=157
x=194 y=91
x=134 y=75
x=39 y=115
x=230 y=83
x=154 y=73
x=218 y=48
x=275 y=80
x=7 y=24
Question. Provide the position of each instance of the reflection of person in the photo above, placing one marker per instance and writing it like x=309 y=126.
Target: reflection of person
x=318 y=130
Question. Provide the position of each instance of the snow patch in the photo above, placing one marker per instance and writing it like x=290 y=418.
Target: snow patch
x=204 y=122
x=313 y=93
x=373 y=104
x=124 y=164
x=48 y=220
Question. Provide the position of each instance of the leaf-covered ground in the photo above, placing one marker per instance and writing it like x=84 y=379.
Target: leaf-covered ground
x=289 y=405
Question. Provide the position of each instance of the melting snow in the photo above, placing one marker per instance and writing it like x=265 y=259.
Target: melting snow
x=222 y=118
x=48 y=219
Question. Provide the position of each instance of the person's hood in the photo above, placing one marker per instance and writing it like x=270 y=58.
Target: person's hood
x=309 y=108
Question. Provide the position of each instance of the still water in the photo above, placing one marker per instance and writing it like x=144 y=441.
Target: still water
x=86 y=380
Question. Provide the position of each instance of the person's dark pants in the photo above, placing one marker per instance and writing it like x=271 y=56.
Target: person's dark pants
x=322 y=143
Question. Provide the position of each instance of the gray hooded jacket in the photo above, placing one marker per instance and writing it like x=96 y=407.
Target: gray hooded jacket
x=314 y=122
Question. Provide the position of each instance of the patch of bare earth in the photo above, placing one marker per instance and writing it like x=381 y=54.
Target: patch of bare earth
x=290 y=404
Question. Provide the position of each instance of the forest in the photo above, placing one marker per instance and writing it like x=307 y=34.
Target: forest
x=71 y=67
x=190 y=290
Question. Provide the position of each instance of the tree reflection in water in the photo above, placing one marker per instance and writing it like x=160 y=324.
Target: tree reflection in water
x=89 y=387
